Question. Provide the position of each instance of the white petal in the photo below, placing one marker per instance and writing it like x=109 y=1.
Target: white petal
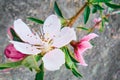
x=25 y=33
x=54 y=59
x=25 y=48
x=66 y=36
x=52 y=26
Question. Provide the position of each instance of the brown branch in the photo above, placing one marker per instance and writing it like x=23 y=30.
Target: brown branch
x=74 y=18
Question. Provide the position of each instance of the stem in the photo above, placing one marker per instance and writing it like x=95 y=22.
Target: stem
x=74 y=18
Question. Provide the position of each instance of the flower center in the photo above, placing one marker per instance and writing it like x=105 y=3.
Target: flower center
x=47 y=42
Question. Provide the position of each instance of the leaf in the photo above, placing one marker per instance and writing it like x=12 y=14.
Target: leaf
x=88 y=0
x=70 y=55
x=10 y=65
x=57 y=10
x=97 y=1
x=102 y=25
x=84 y=28
x=14 y=35
x=98 y=7
x=69 y=63
x=40 y=75
x=37 y=57
x=94 y=10
x=36 y=20
x=111 y=5
x=72 y=58
x=86 y=14
x=76 y=73
x=31 y=62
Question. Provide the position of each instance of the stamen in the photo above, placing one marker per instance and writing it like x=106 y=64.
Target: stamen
x=38 y=45
x=41 y=33
x=50 y=41
x=39 y=48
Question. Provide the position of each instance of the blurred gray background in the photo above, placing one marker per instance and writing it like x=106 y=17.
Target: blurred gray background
x=103 y=60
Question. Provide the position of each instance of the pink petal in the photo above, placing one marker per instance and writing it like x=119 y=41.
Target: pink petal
x=53 y=60
x=25 y=48
x=96 y=20
x=52 y=26
x=25 y=33
x=9 y=33
x=65 y=37
x=80 y=58
x=81 y=48
x=89 y=37
x=12 y=54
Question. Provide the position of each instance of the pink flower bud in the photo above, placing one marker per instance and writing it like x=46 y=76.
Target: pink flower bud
x=12 y=54
x=97 y=22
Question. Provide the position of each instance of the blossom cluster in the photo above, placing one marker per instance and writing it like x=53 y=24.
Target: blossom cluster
x=47 y=42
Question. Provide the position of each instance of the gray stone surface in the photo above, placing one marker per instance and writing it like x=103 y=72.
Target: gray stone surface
x=103 y=59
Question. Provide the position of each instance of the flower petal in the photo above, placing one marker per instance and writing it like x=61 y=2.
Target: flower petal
x=65 y=37
x=9 y=33
x=52 y=26
x=25 y=48
x=89 y=37
x=80 y=58
x=25 y=33
x=96 y=20
x=12 y=54
x=54 y=59
x=81 y=48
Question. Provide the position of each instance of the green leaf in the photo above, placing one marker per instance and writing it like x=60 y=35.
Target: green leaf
x=14 y=35
x=98 y=7
x=40 y=75
x=36 y=20
x=69 y=63
x=97 y=1
x=88 y=0
x=37 y=57
x=31 y=62
x=111 y=5
x=31 y=69
x=57 y=10
x=10 y=65
x=94 y=10
x=76 y=73
x=86 y=14
x=84 y=28
x=102 y=25
x=69 y=54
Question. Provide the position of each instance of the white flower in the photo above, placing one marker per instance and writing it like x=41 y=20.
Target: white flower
x=47 y=41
